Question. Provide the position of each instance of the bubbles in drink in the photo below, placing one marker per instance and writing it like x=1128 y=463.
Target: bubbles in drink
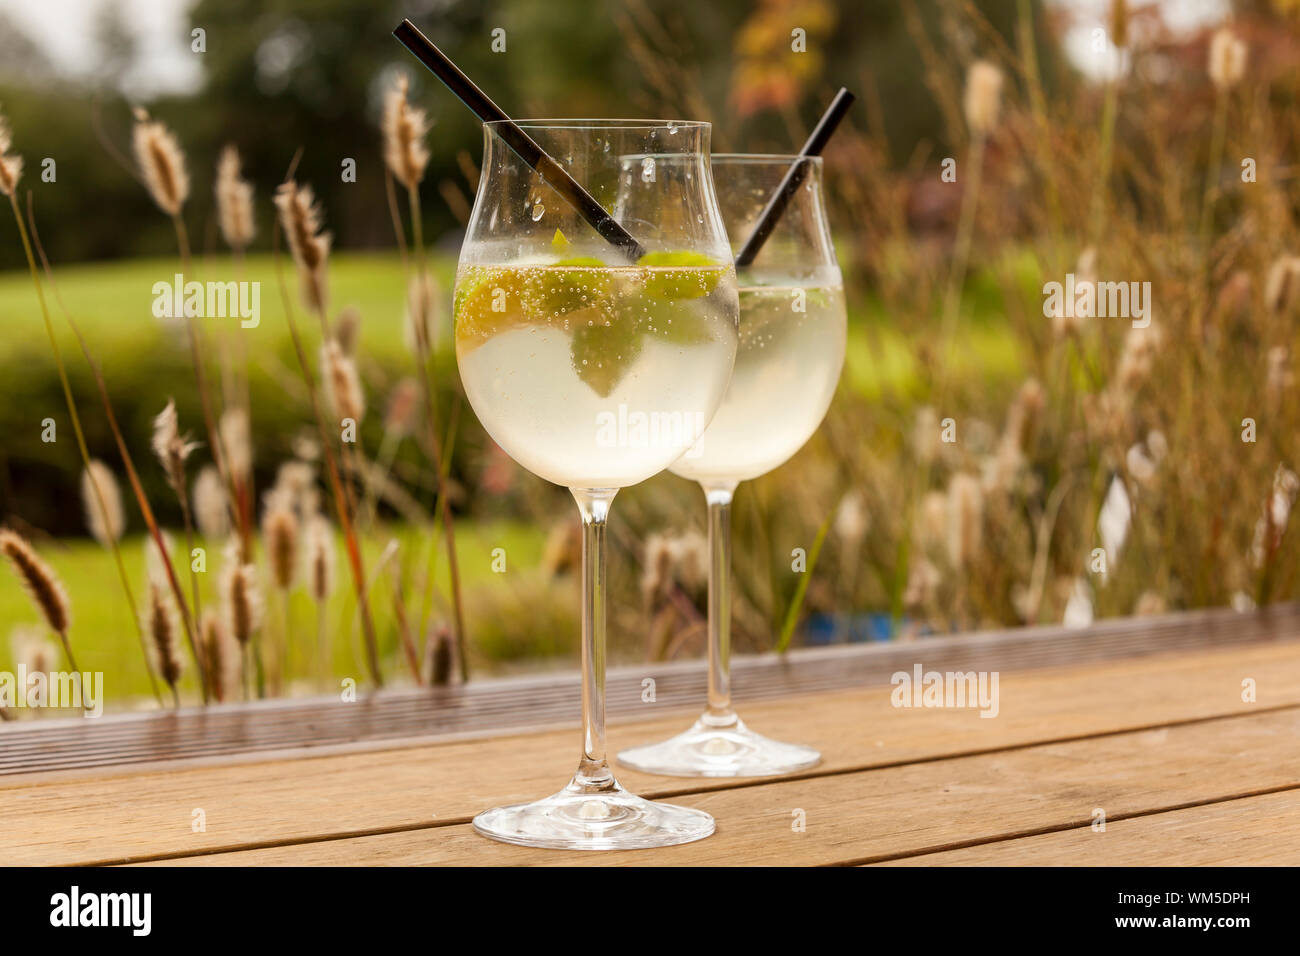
x=789 y=359
x=593 y=375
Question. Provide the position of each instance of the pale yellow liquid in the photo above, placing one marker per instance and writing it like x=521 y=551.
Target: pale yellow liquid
x=595 y=377
x=786 y=371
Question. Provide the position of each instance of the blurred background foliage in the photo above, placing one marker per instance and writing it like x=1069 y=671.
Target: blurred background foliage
x=1102 y=161
x=279 y=74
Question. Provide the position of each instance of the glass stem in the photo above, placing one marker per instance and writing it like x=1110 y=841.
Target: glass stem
x=593 y=773
x=718 y=497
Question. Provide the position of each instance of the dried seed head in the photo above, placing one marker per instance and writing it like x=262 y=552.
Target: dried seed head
x=347 y=329
x=161 y=162
x=1149 y=603
x=657 y=564
x=1280 y=377
x=1271 y=526
x=300 y=218
x=342 y=384
x=1282 y=286
x=922 y=583
x=211 y=513
x=155 y=566
x=306 y=445
x=220 y=655
x=404 y=128
x=234 y=201
x=438 y=650
x=965 y=519
x=675 y=558
x=241 y=600
x=983 y=100
x=932 y=529
x=32 y=651
x=11 y=167
x=161 y=625
x=1141 y=346
x=1022 y=418
x=851 y=518
x=280 y=534
x=925 y=435
x=563 y=550
x=102 y=499
x=1140 y=465
x=1070 y=318
x=693 y=561
x=1227 y=59
x=1119 y=23
x=402 y=402
x=236 y=442
x=171 y=447
x=320 y=559
x=295 y=488
x=39 y=579
x=422 y=295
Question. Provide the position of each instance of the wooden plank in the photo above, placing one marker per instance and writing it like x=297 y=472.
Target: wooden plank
x=534 y=703
x=1252 y=831
x=80 y=817
x=875 y=815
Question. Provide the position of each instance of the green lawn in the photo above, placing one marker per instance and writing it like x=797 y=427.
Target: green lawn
x=104 y=638
x=113 y=303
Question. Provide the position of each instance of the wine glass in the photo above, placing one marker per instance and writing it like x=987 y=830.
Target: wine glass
x=792 y=331
x=596 y=372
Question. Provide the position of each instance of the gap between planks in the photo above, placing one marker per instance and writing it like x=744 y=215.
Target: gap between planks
x=1219 y=833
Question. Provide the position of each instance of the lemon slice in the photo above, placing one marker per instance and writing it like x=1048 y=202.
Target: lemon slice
x=492 y=305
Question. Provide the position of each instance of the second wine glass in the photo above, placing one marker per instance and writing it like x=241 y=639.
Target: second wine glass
x=792 y=334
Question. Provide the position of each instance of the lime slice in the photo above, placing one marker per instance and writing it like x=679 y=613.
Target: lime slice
x=680 y=275
x=570 y=285
x=602 y=353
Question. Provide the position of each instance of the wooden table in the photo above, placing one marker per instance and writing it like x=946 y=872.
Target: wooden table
x=1184 y=770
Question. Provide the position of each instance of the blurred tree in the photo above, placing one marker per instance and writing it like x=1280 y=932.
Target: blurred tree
x=20 y=58
x=282 y=74
x=116 y=46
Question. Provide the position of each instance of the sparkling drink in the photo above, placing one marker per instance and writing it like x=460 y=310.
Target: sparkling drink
x=594 y=376
x=789 y=359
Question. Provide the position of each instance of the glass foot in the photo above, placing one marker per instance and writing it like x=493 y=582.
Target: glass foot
x=710 y=749
x=580 y=818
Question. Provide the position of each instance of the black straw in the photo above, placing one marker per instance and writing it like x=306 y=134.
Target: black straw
x=552 y=173
x=794 y=177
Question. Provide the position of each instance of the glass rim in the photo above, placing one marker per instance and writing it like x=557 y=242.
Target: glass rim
x=786 y=159
x=585 y=123
x=756 y=159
